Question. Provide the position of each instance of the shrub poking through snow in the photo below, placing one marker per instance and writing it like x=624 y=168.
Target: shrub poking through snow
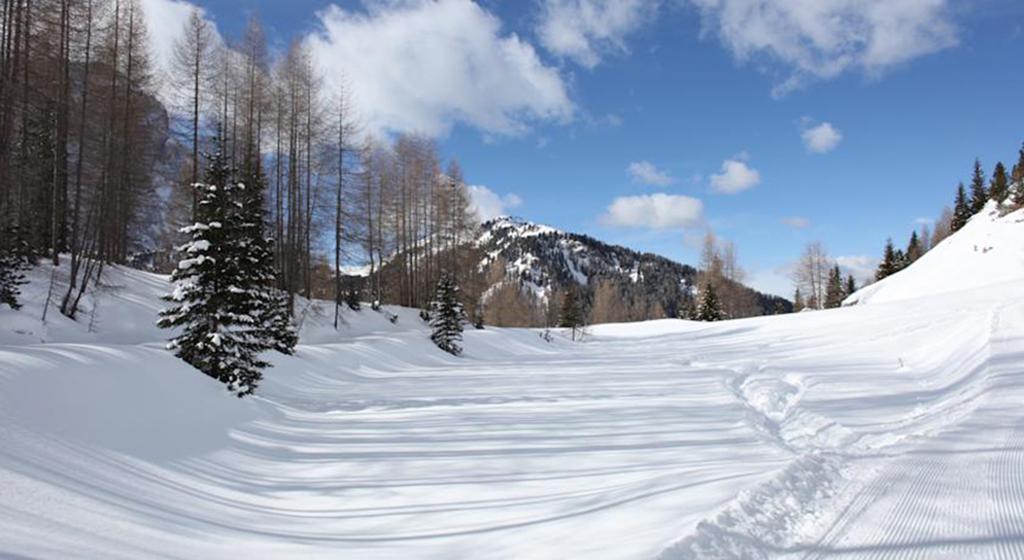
x=447 y=317
x=227 y=312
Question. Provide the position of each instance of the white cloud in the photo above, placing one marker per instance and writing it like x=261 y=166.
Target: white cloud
x=822 y=138
x=165 y=23
x=425 y=65
x=861 y=267
x=585 y=30
x=736 y=176
x=821 y=39
x=489 y=205
x=797 y=222
x=647 y=173
x=654 y=211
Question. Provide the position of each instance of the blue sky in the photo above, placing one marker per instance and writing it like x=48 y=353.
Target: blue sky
x=646 y=122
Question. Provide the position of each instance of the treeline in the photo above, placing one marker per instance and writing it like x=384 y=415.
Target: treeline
x=1005 y=189
x=98 y=156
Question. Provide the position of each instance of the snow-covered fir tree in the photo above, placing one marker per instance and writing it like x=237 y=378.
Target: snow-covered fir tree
x=261 y=299
x=222 y=302
x=447 y=316
x=15 y=258
x=709 y=309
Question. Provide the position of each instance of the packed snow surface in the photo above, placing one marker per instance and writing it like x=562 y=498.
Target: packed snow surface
x=889 y=430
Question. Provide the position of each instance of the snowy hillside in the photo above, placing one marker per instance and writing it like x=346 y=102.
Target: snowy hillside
x=882 y=430
x=989 y=250
x=542 y=257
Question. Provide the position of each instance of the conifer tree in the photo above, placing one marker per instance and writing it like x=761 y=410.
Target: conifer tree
x=709 y=309
x=914 y=249
x=798 y=301
x=834 y=293
x=220 y=335
x=1017 y=179
x=961 y=210
x=447 y=316
x=571 y=316
x=261 y=299
x=851 y=286
x=15 y=258
x=979 y=194
x=999 y=188
x=889 y=263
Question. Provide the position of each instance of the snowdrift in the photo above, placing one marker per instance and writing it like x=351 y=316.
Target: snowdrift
x=989 y=250
x=890 y=427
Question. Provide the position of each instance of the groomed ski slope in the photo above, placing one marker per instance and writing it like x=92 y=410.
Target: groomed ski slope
x=891 y=429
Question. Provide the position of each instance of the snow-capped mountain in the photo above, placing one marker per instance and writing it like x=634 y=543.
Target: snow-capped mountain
x=542 y=258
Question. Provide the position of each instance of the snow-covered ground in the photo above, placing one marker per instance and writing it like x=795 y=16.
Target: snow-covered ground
x=889 y=429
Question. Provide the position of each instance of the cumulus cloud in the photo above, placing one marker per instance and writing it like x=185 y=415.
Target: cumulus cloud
x=165 y=24
x=647 y=173
x=821 y=138
x=797 y=222
x=736 y=176
x=654 y=211
x=822 y=39
x=426 y=65
x=489 y=205
x=585 y=30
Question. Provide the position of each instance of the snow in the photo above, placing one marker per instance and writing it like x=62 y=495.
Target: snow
x=892 y=428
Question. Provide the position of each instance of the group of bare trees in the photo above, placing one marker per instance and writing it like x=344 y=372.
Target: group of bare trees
x=720 y=268
x=79 y=128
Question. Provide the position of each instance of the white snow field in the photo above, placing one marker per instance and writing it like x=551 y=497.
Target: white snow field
x=892 y=429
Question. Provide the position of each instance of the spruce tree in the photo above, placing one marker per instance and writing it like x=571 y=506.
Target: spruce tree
x=571 y=316
x=798 y=301
x=447 y=316
x=834 y=293
x=709 y=309
x=219 y=335
x=914 y=249
x=961 y=210
x=15 y=258
x=999 y=188
x=889 y=263
x=851 y=286
x=1017 y=178
x=979 y=194
x=259 y=297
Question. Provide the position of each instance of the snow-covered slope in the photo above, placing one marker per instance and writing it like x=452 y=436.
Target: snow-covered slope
x=886 y=430
x=989 y=250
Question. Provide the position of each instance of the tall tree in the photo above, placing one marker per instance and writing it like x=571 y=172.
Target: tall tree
x=834 y=293
x=571 y=316
x=962 y=210
x=999 y=188
x=193 y=51
x=979 y=194
x=890 y=262
x=1017 y=179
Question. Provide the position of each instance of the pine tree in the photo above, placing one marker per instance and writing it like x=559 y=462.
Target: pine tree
x=571 y=316
x=999 y=188
x=15 y=258
x=447 y=316
x=961 y=210
x=709 y=309
x=851 y=286
x=798 y=301
x=260 y=299
x=834 y=293
x=1017 y=178
x=979 y=194
x=218 y=336
x=914 y=249
x=889 y=264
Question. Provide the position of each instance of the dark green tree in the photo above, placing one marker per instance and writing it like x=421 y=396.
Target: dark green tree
x=851 y=286
x=889 y=264
x=447 y=316
x=1017 y=179
x=961 y=210
x=999 y=187
x=979 y=194
x=709 y=308
x=834 y=292
x=15 y=258
x=914 y=249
